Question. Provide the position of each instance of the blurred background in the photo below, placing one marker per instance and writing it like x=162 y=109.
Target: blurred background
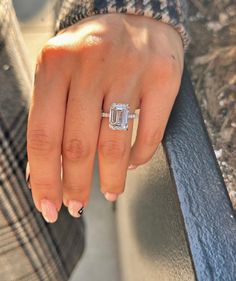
x=211 y=60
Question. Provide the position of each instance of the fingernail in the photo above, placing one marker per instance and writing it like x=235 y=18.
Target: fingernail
x=111 y=196
x=27 y=175
x=49 y=211
x=75 y=208
x=132 y=167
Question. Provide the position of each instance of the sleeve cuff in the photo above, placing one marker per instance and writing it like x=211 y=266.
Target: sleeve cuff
x=173 y=12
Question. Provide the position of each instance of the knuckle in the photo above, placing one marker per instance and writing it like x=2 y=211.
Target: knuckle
x=112 y=149
x=93 y=39
x=165 y=67
x=95 y=43
x=76 y=149
x=40 y=142
x=74 y=188
x=131 y=55
x=168 y=68
x=45 y=54
x=153 y=138
x=51 y=53
x=43 y=186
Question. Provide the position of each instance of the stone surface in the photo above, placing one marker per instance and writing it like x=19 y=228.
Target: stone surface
x=118 y=119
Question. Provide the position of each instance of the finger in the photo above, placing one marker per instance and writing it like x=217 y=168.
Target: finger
x=114 y=150
x=155 y=109
x=44 y=134
x=83 y=118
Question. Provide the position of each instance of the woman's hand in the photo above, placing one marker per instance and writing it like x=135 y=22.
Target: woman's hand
x=81 y=72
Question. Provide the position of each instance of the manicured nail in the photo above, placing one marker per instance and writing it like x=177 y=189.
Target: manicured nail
x=111 y=196
x=27 y=175
x=75 y=208
x=49 y=211
x=132 y=167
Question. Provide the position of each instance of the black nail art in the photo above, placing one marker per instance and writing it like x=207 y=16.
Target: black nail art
x=81 y=211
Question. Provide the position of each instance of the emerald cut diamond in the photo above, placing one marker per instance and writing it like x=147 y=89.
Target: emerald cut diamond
x=118 y=116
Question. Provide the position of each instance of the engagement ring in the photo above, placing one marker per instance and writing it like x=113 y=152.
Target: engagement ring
x=119 y=115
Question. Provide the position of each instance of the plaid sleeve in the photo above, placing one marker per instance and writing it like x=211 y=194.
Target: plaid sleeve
x=173 y=12
x=30 y=248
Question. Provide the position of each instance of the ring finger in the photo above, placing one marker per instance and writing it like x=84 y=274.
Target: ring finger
x=114 y=149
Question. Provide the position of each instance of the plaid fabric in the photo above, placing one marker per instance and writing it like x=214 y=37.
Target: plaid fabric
x=30 y=249
x=173 y=12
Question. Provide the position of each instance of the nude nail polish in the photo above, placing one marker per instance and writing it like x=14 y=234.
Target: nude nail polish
x=111 y=196
x=132 y=167
x=49 y=211
x=75 y=208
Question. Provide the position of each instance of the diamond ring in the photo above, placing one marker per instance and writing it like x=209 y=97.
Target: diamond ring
x=119 y=115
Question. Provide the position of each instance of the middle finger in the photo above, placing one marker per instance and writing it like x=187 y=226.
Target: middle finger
x=82 y=124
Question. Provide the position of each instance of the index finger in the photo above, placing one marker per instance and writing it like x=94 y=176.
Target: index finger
x=44 y=134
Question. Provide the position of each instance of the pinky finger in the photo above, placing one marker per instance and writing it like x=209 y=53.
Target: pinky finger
x=154 y=114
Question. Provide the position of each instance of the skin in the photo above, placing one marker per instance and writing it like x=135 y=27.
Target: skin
x=81 y=71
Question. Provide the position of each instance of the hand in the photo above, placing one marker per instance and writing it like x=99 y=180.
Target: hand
x=81 y=71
